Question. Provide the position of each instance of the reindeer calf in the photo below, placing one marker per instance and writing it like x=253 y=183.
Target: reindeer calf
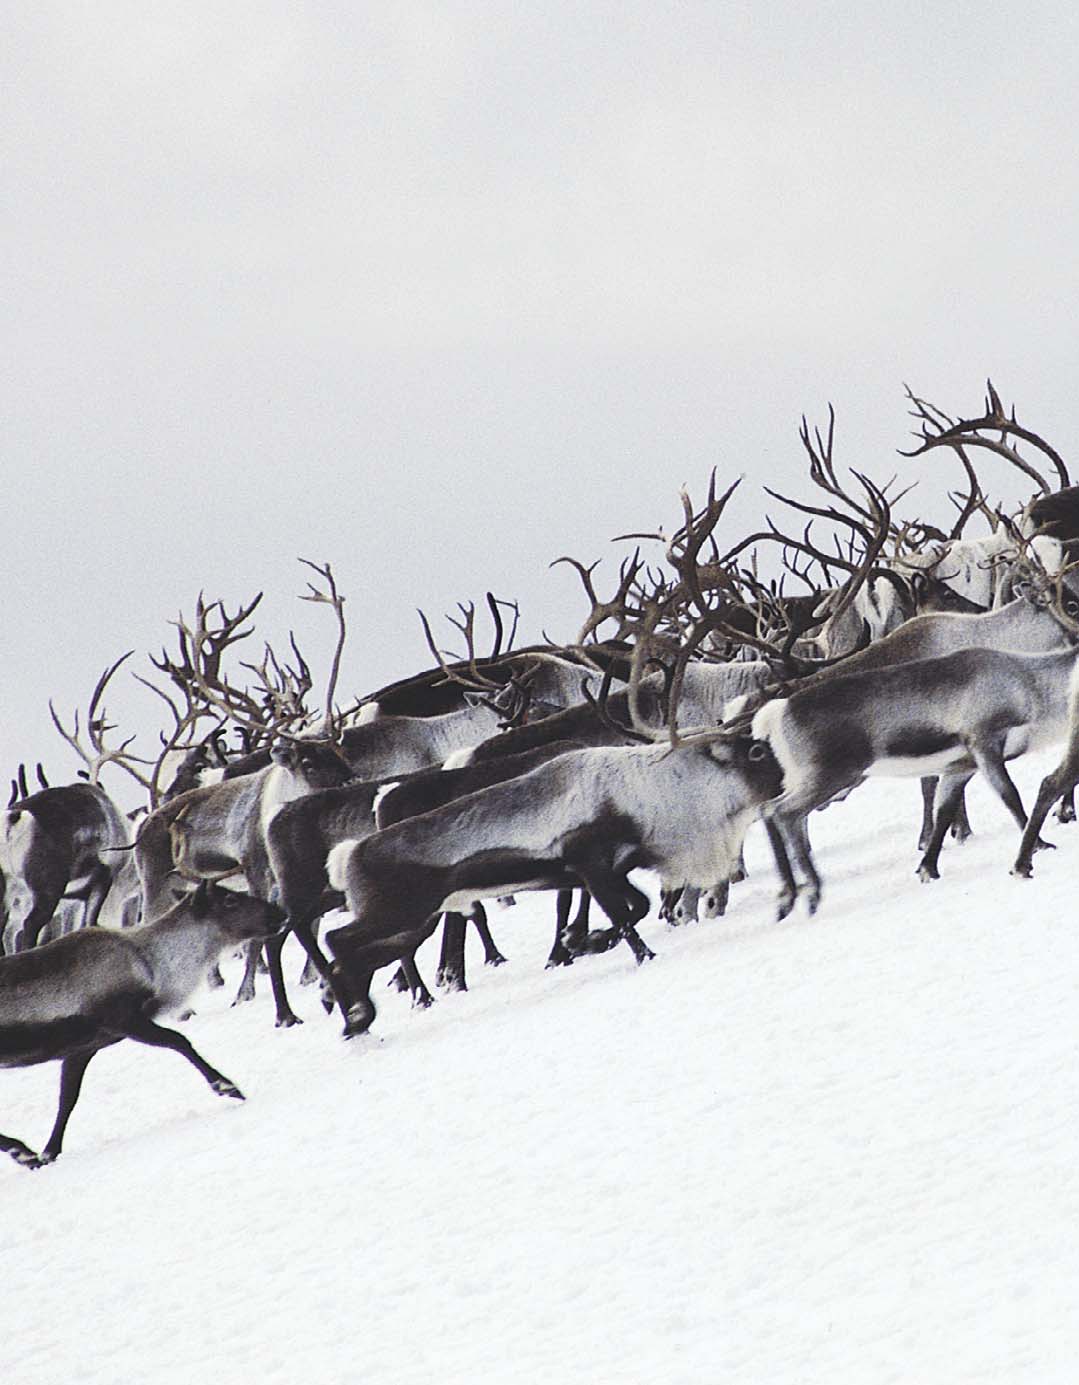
x=69 y=998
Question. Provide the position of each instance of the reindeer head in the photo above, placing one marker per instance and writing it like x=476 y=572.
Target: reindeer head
x=319 y=764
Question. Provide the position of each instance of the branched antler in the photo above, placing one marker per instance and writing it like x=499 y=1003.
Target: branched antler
x=936 y=429
x=97 y=729
x=198 y=672
x=613 y=609
x=330 y=597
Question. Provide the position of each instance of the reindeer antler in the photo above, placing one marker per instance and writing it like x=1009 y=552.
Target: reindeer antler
x=936 y=429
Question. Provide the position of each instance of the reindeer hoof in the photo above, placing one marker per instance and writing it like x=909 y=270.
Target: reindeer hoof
x=24 y=1155
x=784 y=904
x=1041 y=845
x=927 y=873
x=287 y=1021
x=425 y=999
x=358 y=1019
x=1023 y=870
x=243 y=997
x=495 y=960
x=223 y=1087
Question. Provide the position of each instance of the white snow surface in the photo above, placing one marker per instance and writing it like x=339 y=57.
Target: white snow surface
x=833 y=1149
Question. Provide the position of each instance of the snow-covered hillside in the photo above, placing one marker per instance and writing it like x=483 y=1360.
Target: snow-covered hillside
x=840 y=1149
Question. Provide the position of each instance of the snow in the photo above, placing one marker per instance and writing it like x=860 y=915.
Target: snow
x=831 y=1149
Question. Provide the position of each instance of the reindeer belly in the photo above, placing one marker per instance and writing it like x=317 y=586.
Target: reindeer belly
x=501 y=872
x=917 y=751
x=23 y=1045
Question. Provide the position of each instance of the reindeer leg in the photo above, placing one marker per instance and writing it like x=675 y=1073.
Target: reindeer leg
x=1066 y=807
x=685 y=910
x=422 y=999
x=359 y=952
x=990 y=760
x=1055 y=784
x=560 y=955
x=798 y=835
x=788 y=887
x=591 y=941
x=304 y=930
x=40 y=899
x=97 y=889
x=928 y=785
x=950 y=796
x=312 y=972
x=576 y=935
x=790 y=813
x=21 y=1153
x=668 y=901
x=638 y=905
x=145 y=1031
x=285 y=1017
x=246 y=989
x=716 y=899
x=71 y=1073
x=451 y=964
x=623 y=904
x=491 y=955
x=961 y=828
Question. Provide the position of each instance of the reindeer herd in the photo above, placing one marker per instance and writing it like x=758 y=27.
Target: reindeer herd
x=698 y=698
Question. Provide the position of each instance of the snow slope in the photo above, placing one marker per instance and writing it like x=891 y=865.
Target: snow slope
x=832 y=1149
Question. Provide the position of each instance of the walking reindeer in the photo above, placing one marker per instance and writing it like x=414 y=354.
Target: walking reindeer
x=68 y=999
x=586 y=818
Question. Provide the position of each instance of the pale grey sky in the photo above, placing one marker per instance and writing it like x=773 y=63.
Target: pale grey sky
x=438 y=292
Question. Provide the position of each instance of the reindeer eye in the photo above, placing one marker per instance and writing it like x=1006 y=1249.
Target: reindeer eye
x=758 y=750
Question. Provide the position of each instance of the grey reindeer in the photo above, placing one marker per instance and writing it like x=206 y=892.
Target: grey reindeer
x=968 y=711
x=587 y=818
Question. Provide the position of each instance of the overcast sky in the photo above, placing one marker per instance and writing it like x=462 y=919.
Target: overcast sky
x=438 y=292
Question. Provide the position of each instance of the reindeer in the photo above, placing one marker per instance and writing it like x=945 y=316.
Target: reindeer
x=57 y=841
x=71 y=998
x=587 y=818
x=966 y=711
x=219 y=831
x=303 y=834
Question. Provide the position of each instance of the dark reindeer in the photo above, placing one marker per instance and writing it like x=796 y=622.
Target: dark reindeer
x=59 y=841
x=68 y=999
